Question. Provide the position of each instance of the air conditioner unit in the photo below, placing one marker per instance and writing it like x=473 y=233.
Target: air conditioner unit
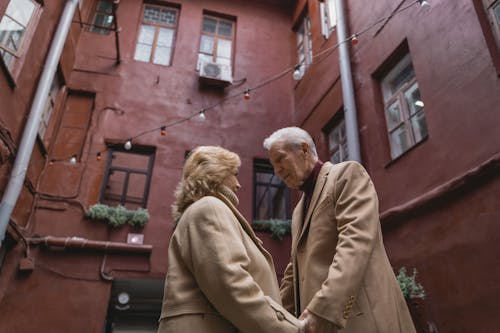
x=215 y=74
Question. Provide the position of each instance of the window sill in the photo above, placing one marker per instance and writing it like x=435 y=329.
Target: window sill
x=393 y=161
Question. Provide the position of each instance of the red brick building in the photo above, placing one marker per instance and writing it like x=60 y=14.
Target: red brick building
x=426 y=92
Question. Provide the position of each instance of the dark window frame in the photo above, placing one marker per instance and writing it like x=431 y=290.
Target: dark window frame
x=148 y=172
x=264 y=166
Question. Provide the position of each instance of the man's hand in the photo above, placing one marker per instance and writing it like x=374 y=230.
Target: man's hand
x=316 y=324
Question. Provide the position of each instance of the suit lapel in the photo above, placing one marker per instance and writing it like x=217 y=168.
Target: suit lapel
x=318 y=188
x=297 y=223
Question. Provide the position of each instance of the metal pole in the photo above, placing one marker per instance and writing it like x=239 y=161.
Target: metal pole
x=28 y=139
x=351 y=121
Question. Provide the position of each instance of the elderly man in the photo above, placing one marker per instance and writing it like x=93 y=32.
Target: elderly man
x=339 y=276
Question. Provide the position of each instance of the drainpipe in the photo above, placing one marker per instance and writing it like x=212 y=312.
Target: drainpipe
x=351 y=121
x=28 y=139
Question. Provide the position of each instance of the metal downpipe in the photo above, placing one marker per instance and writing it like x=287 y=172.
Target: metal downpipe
x=28 y=139
x=351 y=121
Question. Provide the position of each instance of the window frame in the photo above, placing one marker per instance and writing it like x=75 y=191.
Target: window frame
x=97 y=28
x=328 y=16
x=13 y=69
x=147 y=151
x=157 y=27
x=306 y=43
x=335 y=125
x=216 y=38
x=264 y=166
x=489 y=5
x=398 y=98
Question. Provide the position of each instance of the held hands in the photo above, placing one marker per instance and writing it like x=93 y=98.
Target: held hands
x=316 y=324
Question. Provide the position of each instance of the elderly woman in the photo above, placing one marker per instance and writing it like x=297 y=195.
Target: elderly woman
x=219 y=278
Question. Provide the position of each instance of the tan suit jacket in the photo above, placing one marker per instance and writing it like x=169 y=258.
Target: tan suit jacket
x=339 y=269
x=218 y=275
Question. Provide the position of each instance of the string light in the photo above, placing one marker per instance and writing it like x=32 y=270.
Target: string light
x=128 y=145
x=298 y=73
x=354 y=39
x=201 y=115
x=425 y=5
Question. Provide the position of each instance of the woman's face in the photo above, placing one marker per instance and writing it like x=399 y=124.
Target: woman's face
x=231 y=181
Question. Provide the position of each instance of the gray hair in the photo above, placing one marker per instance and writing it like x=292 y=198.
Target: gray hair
x=292 y=136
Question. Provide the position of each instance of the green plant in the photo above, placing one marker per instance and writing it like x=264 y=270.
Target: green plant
x=139 y=218
x=277 y=228
x=408 y=284
x=119 y=215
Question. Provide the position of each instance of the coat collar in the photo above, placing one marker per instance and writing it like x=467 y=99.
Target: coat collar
x=243 y=222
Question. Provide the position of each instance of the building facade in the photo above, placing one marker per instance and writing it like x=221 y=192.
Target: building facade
x=141 y=83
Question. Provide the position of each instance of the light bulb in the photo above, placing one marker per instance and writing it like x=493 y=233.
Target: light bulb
x=202 y=115
x=297 y=73
x=425 y=5
x=419 y=103
x=246 y=95
x=99 y=156
x=128 y=145
x=73 y=159
x=354 y=39
x=163 y=130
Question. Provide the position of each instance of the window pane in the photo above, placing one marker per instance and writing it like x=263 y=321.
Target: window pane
x=165 y=37
x=224 y=61
x=412 y=96
x=105 y=6
x=225 y=28
x=7 y=57
x=20 y=10
x=11 y=34
x=209 y=25
x=151 y=14
x=399 y=142
x=393 y=115
x=142 y=52
x=147 y=35
x=496 y=11
x=419 y=126
x=162 y=56
x=103 y=20
x=168 y=16
x=404 y=76
x=207 y=44
x=224 y=48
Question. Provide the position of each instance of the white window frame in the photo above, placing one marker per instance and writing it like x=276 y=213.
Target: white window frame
x=304 y=45
x=407 y=114
x=490 y=6
x=337 y=143
x=328 y=15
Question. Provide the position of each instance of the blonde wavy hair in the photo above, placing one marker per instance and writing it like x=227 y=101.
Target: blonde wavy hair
x=204 y=172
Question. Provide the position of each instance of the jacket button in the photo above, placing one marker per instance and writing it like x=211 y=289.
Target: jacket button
x=280 y=315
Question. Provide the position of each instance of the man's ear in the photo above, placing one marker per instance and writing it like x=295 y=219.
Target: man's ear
x=305 y=148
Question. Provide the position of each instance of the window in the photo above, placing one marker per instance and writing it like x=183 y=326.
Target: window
x=404 y=109
x=216 y=43
x=328 y=16
x=127 y=178
x=493 y=10
x=157 y=35
x=337 y=142
x=271 y=196
x=304 y=45
x=49 y=107
x=103 y=17
x=14 y=28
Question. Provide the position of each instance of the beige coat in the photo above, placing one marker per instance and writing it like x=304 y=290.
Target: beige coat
x=218 y=275
x=338 y=264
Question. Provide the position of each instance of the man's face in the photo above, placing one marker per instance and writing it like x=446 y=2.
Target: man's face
x=289 y=164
